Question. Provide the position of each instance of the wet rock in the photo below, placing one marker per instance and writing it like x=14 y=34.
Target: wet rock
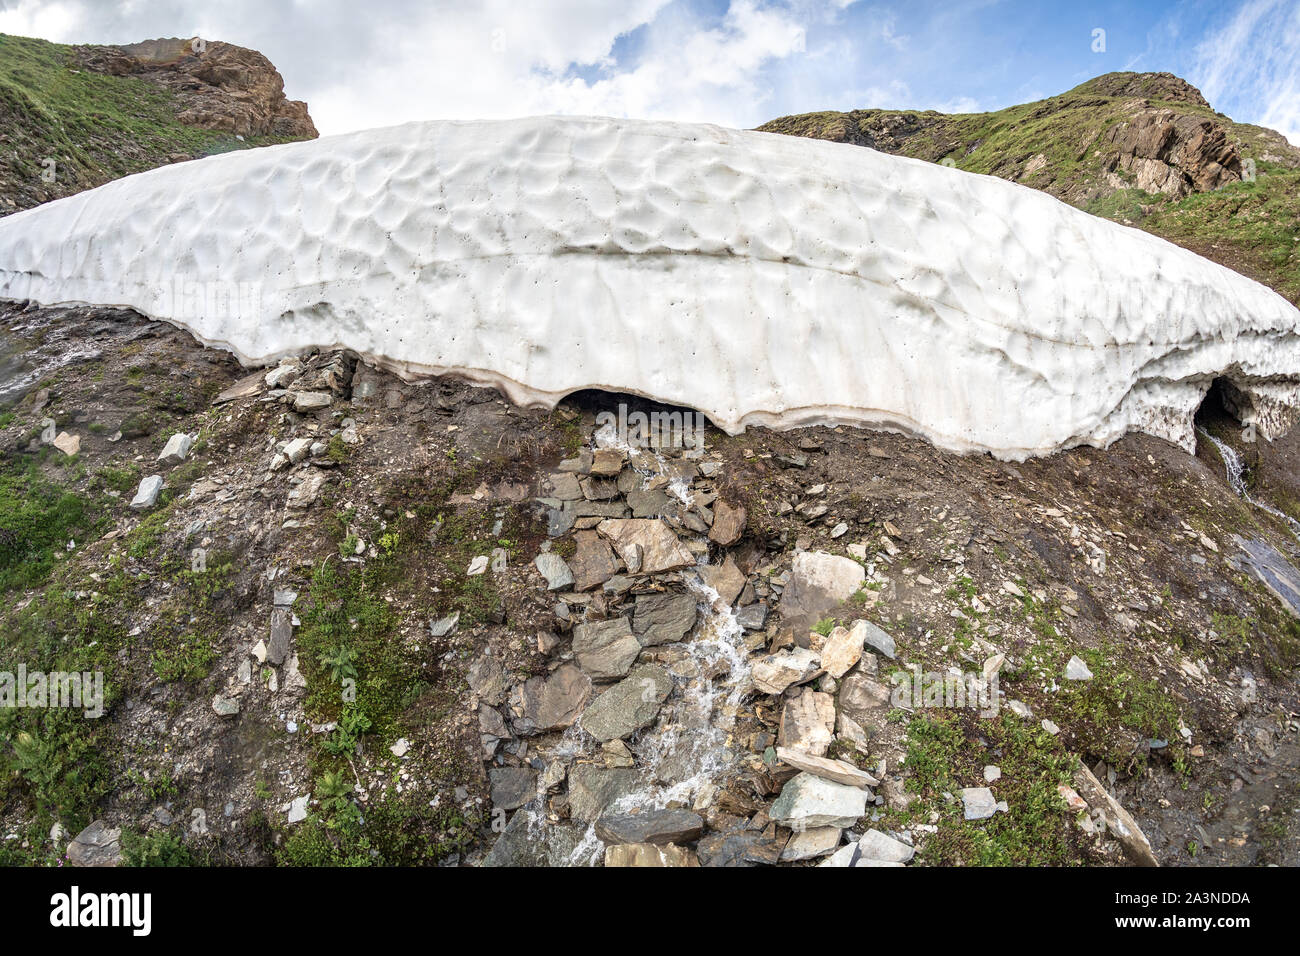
x=838 y=771
x=593 y=561
x=592 y=789
x=608 y=462
x=808 y=722
x=176 y=449
x=647 y=542
x=648 y=503
x=724 y=578
x=728 y=524
x=552 y=567
x=552 y=702
x=629 y=705
x=97 y=845
x=650 y=826
x=649 y=854
x=663 y=618
x=606 y=649
x=512 y=787
x=147 y=495
x=776 y=672
x=528 y=840
x=809 y=801
x=753 y=617
x=739 y=848
x=819 y=582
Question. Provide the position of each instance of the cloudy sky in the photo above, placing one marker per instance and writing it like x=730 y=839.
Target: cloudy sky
x=734 y=62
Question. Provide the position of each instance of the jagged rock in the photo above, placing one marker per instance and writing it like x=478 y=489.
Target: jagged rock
x=444 y=625
x=282 y=375
x=728 y=524
x=97 y=845
x=978 y=803
x=147 y=495
x=881 y=847
x=306 y=492
x=529 y=840
x=808 y=722
x=512 y=787
x=277 y=648
x=818 y=582
x=648 y=542
x=877 y=639
x=839 y=771
x=629 y=705
x=650 y=826
x=843 y=649
x=725 y=578
x=68 y=444
x=176 y=449
x=752 y=617
x=608 y=461
x=296 y=450
x=1175 y=153
x=774 y=673
x=808 y=801
x=225 y=706
x=1119 y=821
x=812 y=843
x=663 y=618
x=552 y=702
x=1076 y=669
x=742 y=848
x=606 y=649
x=863 y=699
x=593 y=562
x=552 y=567
x=592 y=789
x=648 y=854
x=486 y=678
x=617 y=754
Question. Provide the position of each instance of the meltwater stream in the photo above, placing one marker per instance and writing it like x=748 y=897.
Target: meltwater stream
x=1235 y=469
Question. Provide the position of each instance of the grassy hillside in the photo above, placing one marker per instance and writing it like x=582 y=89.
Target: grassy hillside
x=95 y=127
x=1063 y=145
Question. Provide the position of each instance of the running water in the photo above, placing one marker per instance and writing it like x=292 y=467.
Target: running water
x=1236 y=470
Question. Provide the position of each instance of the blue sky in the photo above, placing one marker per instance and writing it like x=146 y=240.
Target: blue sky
x=734 y=62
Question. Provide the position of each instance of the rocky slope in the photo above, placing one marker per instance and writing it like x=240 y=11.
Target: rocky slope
x=72 y=118
x=1144 y=149
x=344 y=618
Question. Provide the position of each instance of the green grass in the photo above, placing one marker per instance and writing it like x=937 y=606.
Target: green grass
x=37 y=520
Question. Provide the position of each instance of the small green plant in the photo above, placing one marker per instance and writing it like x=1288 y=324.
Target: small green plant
x=341 y=663
x=824 y=626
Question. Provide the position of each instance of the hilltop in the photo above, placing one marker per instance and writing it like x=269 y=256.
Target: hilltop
x=1142 y=149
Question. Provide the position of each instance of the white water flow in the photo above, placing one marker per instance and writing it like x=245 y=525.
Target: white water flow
x=1236 y=470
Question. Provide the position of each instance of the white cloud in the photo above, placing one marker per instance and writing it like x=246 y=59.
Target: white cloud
x=1250 y=67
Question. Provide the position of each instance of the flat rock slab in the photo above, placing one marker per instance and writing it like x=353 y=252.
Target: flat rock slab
x=552 y=702
x=650 y=826
x=843 y=649
x=1273 y=569
x=978 y=803
x=97 y=845
x=663 y=618
x=808 y=722
x=728 y=524
x=819 y=582
x=809 y=801
x=629 y=705
x=592 y=789
x=810 y=844
x=512 y=787
x=839 y=771
x=875 y=845
x=606 y=649
x=864 y=699
x=725 y=578
x=649 y=854
x=647 y=544
x=593 y=561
